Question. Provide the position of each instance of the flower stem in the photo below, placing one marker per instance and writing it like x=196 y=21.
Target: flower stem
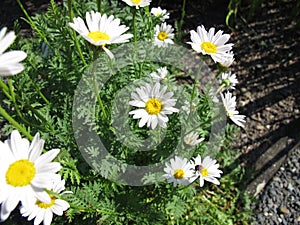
x=195 y=85
x=95 y=83
x=71 y=15
x=31 y=23
x=181 y=19
x=134 y=24
x=15 y=123
x=11 y=95
x=99 y=5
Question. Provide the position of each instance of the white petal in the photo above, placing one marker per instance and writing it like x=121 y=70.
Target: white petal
x=48 y=217
x=9 y=70
x=11 y=202
x=7 y=40
x=43 y=196
x=39 y=217
x=36 y=148
x=47 y=157
x=12 y=57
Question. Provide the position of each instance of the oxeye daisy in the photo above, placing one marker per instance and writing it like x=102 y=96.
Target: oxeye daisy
x=154 y=104
x=191 y=139
x=137 y=3
x=24 y=172
x=229 y=103
x=101 y=30
x=162 y=14
x=9 y=61
x=209 y=43
x=163 y=35
x=160 y=74
x=229 y=80
x=206 y=170
x=44 y=212
x=179 y=171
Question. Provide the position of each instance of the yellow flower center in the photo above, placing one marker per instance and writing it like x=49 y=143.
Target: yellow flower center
x=45 y=205
x=162 y=35
x=179 y=173
x=204 y=172
x=230 y=114
x=209 y=47
x=158 y=14
x=20 y=173
x=153 y=106
x=137 y=2
x=98 y=36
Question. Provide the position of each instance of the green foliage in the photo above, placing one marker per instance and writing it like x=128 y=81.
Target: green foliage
x=43 y=102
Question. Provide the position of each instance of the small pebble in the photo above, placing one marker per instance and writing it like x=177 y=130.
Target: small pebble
x=284 y=210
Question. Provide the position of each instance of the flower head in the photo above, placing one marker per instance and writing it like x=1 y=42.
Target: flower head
x=24 y=172
x=192 y=139
x=163 y=35
x=44 y=212
x=209 y=43
x=9 y=61
x=101 y=30
x=229 y=103
x=206 y=170
x=162 y=14
x=137 y=3
x=229 y=80
x=160 y=74
x=154 y=104
x=179 y=171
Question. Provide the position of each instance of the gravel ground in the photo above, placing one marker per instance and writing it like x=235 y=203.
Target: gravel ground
x=279 y=202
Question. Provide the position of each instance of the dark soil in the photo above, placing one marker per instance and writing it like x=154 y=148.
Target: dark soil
x=267 y=66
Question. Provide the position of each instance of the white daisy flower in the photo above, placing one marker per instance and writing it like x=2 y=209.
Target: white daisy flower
x=154 y=104
x=101 y=30
x=179 y=171
x=163 y=35
x=229 y=103
x=160 y=74
x=9 y=61
x=162 y=14
x=210 y=43
x=44 y=212
x=24 y=172
x=228 y=60
x=192 y=139
x=229 y=80
x=207 y=170
x=137 y=3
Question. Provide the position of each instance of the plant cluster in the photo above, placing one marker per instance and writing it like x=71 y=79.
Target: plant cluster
x=102 y=83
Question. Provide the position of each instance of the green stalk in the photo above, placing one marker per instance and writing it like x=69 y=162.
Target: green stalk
x=12 y=96
x=15 y=123
x=31 y=23
x=71 y=15
x=195 y=85
x=181 y=19
x=134 y=24
x=96 y=89
x=99 y=5
x=38 y=90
